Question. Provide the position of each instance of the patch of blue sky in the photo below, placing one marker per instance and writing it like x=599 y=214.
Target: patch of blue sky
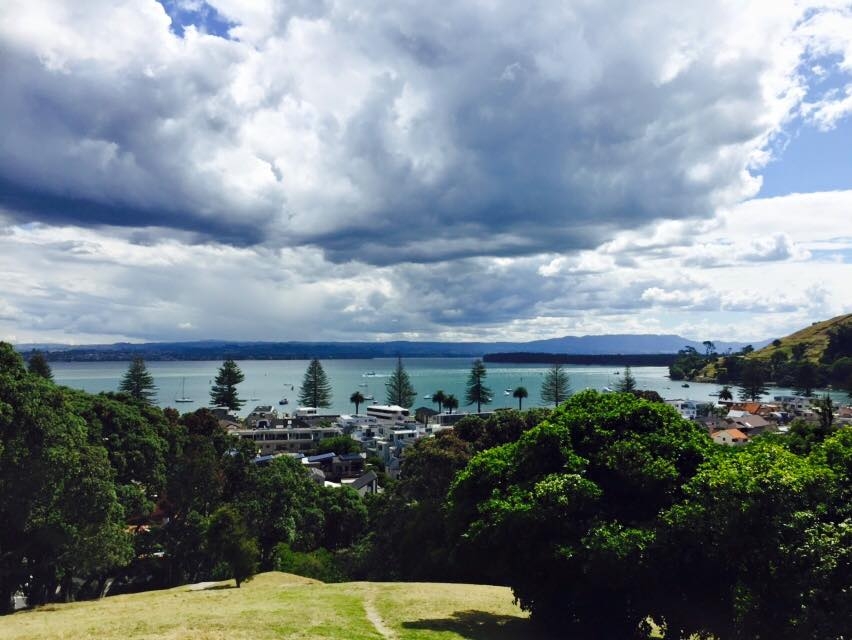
x=812 y=161
x=807 y=159
x=204 y=17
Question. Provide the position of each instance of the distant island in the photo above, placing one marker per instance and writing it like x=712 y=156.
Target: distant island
x=619 y=345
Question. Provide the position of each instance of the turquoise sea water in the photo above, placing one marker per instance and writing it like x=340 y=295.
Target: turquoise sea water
x=270 y=380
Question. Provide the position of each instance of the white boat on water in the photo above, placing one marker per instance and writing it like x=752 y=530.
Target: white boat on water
x=183 y=396
x=369 y=374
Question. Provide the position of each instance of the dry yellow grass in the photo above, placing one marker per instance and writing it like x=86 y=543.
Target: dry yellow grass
x=277 y=605
x=815 y=336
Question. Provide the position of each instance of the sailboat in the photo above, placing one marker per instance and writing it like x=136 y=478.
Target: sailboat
x=183 y=396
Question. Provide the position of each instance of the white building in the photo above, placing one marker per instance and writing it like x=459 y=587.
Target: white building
x=687 y=408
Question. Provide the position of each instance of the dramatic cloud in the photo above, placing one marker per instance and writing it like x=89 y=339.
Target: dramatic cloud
x=366 y=170
x=398 y=132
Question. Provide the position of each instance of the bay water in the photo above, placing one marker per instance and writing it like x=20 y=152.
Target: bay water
x=268 y=381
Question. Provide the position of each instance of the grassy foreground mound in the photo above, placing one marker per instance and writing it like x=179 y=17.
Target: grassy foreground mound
x=279 y=605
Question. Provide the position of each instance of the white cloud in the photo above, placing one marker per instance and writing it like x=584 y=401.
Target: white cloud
x=443 y=132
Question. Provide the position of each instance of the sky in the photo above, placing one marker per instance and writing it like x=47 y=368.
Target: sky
x=477 y=170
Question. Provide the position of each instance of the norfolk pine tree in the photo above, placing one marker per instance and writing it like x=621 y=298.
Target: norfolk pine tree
x=556 y=386
x=628 y=382
x=316 y=389
x=224 y=391
x=138 y=382
x=399 y=389
x=476 y=390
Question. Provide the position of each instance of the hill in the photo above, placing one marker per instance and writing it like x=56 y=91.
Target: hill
x=218 y=350
x=815 y=337
x=279 y=605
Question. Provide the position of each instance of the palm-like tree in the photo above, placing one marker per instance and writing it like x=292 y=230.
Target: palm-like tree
x=520 y=393
x=451 y=403
x=725 y=393
x=438 y=398
x=357 y=398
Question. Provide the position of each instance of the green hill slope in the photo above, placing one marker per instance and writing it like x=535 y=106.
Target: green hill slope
x=814 y=336
x=279 y=605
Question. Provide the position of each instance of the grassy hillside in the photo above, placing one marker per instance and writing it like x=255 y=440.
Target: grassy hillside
x=815 y=336
x=279 y=605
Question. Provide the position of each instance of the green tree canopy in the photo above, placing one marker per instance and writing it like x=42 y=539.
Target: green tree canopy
x=582 y=489
x=476 y=391
x=60 y=518
x=316 y=389
x=398 y=387
x=229 y=542
x=753 y=381
x=138 y=382
x=556 y=386
x=224 y=391
x=37 y=364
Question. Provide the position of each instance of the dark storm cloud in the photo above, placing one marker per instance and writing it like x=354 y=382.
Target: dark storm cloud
x=463 y=130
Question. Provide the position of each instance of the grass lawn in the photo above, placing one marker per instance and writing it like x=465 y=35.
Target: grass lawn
x=278 y=605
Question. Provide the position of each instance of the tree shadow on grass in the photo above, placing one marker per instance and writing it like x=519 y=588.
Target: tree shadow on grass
x=482 y=625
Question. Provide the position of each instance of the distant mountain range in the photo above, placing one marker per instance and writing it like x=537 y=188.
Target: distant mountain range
x=217 y=350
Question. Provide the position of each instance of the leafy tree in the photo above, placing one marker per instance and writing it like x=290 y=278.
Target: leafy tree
x=398 y=387
x=556 y=386
x=825 y=407
x=410 y=537
x=839 y=342
x=37 y=364
x=776 y=343
x=806 y=379
x=789 y=504
x=520 y=393
x=476 y=391
x=798 y=350
x=709 y=348
x=582 y=490
x=725 y=393
x=137 y=438
x=777 y=360
x=627 y=383
x=229 y=542
x=138 y=383
x=752 y=381
x=747 y=350
x=357 y=398
x=451 y=403
x=338 y=445
x=281 y=504
x=60 y=518
x=316 y=389
x=224 y=391
x=438 y=398
x=500 y=427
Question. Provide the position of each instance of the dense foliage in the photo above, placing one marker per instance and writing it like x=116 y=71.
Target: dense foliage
x=611 y=511
x=103 y=488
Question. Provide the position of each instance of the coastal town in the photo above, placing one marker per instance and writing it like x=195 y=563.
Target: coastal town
x=384 y=432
